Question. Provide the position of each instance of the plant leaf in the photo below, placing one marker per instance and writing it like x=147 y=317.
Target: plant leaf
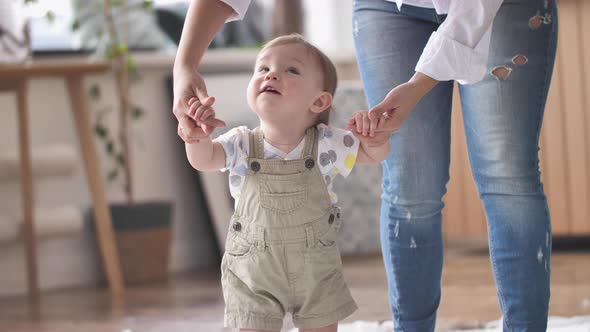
x=50 y=15
x=114 y=51
x=110 y=146
x=148 y=4
x=121 y=160
x=122 y=48
x=137 y=112
x=94 y=92
x=100 y=130
x=131 y=65
x=75 y=25
x=113 y=174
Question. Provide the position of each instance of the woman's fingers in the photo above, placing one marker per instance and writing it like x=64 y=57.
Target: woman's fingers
x=373 y=125
x=376 y=112
x=201 y=93
x=389 y=103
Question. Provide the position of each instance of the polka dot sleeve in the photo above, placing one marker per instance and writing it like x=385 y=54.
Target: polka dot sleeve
x=235 y=144
x=337 y=150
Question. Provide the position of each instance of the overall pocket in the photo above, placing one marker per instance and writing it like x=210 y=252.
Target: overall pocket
x=283 y=195
x=329 y=237
x=235 y=246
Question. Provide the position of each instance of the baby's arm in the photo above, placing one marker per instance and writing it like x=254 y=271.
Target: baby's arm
x=372 y=150
x=204 y=154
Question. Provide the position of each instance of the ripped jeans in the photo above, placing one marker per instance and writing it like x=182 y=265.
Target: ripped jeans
x=502 y=121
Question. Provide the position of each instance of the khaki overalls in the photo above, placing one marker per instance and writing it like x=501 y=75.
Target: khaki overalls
x=281 y=254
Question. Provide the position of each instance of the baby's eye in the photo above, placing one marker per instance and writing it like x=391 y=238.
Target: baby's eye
x=263 y=69
x=293 y=70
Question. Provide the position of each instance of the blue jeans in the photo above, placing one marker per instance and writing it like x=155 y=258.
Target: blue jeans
x=502 y=121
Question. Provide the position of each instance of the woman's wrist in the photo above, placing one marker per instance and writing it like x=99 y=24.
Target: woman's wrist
x=423 y=82
x=181 y=65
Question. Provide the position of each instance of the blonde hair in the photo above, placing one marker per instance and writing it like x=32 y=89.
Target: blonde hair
x=328 y=68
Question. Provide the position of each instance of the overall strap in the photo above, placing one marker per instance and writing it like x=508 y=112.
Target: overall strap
x=310 y=148
x=256 y=144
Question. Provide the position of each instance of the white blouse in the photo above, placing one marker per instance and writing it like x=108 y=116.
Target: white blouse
x=458 y=50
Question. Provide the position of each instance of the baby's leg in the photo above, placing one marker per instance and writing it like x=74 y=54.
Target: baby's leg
x=329 y=328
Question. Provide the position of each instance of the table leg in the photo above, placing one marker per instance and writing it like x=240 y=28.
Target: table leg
x=102 y=216
x=26 y=179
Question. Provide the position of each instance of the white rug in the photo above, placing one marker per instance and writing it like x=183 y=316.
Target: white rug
x=556 y=324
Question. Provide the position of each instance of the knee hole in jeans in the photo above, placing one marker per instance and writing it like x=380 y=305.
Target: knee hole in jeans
x=501 y=72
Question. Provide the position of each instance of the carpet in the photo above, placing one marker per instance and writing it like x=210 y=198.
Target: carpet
x=556 y=324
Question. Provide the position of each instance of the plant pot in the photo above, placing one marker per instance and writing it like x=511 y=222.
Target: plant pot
x=143 y=236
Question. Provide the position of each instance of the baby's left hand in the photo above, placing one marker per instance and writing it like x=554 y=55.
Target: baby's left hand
x=360 y=125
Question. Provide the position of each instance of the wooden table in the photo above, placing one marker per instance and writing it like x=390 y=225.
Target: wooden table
x=14 y=78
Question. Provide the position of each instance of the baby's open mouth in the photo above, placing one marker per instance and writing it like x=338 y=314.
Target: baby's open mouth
x=270 y=89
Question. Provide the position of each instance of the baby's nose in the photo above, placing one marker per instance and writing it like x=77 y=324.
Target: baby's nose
x=272 y=76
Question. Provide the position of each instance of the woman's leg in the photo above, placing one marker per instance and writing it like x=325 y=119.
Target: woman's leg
x=388 y=45
x=502 y=118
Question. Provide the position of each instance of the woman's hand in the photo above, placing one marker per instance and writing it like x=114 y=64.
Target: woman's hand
x=399 y=102
x=359 y=125
x=189 y=84
x=372 y=149
x=198 y=114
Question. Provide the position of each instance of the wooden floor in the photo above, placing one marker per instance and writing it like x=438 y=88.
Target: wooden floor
x=194 y=302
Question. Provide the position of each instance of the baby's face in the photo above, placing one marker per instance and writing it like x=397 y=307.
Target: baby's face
x=287 y=80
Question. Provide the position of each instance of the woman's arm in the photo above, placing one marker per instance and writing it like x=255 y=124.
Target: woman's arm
x=459 y=49
x=204 y=18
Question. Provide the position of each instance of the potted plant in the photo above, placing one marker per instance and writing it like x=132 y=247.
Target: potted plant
x=142 y=229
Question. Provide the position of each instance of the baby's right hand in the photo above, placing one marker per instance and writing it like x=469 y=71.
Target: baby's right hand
x=200 y=113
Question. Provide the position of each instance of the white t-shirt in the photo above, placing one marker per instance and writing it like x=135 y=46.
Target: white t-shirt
x=458 y=50
x=337 y=152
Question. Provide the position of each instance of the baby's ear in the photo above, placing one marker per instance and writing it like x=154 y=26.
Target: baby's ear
x=322 y=102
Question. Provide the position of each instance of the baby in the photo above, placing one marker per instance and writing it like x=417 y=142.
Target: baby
x=281 y=254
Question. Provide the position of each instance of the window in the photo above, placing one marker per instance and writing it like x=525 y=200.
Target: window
x=46 y=36
x=57 y=36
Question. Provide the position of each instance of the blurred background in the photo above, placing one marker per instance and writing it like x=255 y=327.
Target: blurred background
x=170 y=252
